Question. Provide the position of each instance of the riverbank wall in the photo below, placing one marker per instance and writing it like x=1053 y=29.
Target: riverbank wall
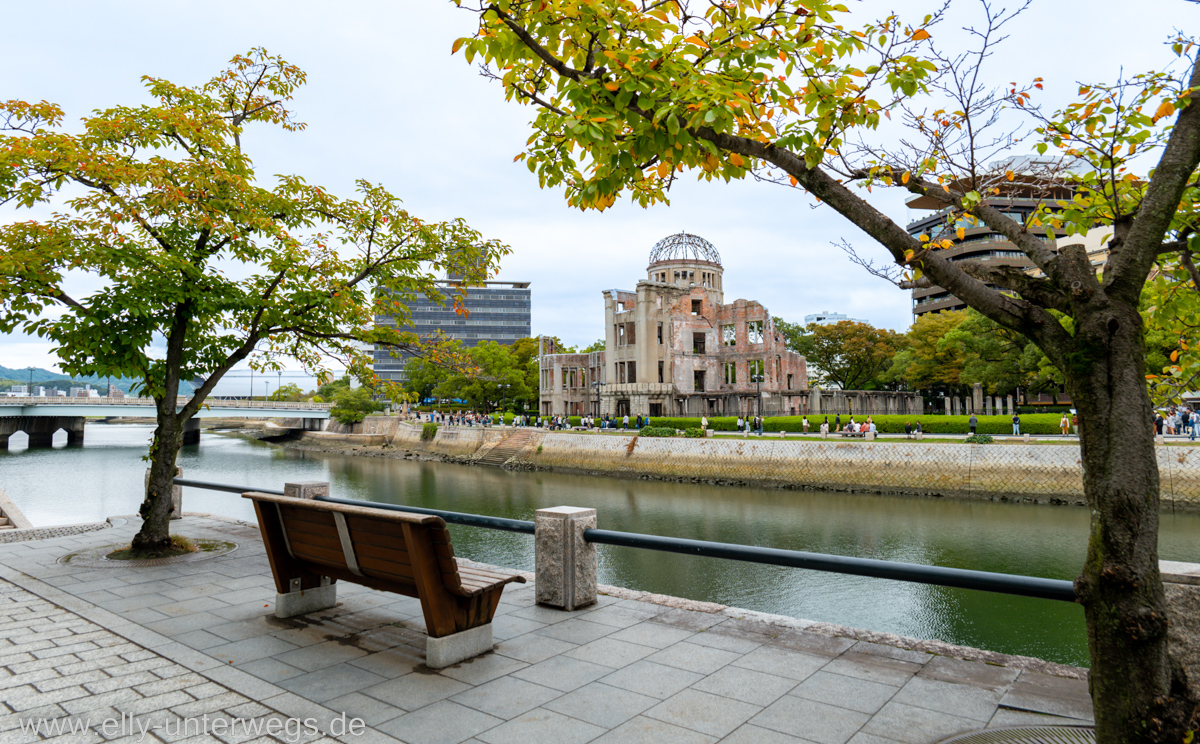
x=1041 y=473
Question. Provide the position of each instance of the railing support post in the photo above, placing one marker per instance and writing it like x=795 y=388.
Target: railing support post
x=564 y=561
x=306 y=489
x=1181 y=582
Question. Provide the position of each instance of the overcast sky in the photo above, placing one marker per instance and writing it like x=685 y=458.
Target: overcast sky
x=386 y=101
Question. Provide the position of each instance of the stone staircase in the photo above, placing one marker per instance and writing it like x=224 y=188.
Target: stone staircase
x=11 y=518
x=507 y=448
x=5 y=523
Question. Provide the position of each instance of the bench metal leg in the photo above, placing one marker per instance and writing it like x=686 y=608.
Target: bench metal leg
x=448 y=650
x=303 y=601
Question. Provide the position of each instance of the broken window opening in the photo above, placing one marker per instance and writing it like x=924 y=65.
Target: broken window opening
x=730 y=373
x=660 y=334
x=631 y=371
x=696 y=307
x=697 y=343
x=728 y=335
x=698 y=380
x=754 y=331
x=660 y=371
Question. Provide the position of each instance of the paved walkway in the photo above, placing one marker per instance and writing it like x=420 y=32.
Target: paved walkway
x=157 y=644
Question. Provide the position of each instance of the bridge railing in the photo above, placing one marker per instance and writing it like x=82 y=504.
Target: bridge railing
x=143 y=402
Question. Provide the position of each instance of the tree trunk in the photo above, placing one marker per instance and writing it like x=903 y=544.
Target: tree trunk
x=156 y=509
x=1138 y=697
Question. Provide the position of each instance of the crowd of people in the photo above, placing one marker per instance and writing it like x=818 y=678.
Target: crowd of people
x=1176 y=420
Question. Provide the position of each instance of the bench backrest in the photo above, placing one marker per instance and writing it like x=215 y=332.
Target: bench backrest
x=376 y=547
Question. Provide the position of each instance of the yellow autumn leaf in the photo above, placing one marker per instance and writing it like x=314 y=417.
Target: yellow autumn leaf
x=1010 y=175
x=794 y=181
x=736 y=159
x=1166 y=109
x=961 y=232
x=1175 y=356
x=611 y=86
x=664 y=169
x=904 y=177
x=457 y=45
x=920 y=35
x=697 y=41
x=599 y=119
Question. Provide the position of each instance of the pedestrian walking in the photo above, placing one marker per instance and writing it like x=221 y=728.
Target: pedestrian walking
x=804 y=423
x=973 y=423
x=704 y=423
x=1016 y=425
x=1065 y=425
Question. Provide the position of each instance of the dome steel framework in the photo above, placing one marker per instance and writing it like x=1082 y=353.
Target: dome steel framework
x=684 y=247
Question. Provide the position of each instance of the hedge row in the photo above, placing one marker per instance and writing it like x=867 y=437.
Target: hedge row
x=1034 y=423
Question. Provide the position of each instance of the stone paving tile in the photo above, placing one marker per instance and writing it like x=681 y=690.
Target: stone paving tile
x=703 y=712
x=846 y=692
x=483 y=669
x=562 y=673
x=271 y=670
x=912 y=725
x=745 y=685
x=782 y=662
x=330 y=682
x=892 y=652
x=610 y=652
x=510 y=626
x=694 y=658
x=970 y=673
x=532 y=648
x=391 y=663
x=320 y=655
x=602 y=704
x=655 y=680
x=873 y=668
x=542 y=725
x=575 y=630
x=1041 y=693
x=1007 y=717
x=643 y=730
x=369 y=709
x=653 y=635
x=506 y=698
x=443 y=722
x=618 y=617
x=947 y=697
x=251 y=649
x=808 y=719
x=751 y=734
x=813 y=643
x=415 y=690
x=688 y=619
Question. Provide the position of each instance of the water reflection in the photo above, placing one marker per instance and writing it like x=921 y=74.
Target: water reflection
x=104 y=477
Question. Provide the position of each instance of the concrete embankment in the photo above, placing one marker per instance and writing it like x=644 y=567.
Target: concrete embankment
x=1044 y=473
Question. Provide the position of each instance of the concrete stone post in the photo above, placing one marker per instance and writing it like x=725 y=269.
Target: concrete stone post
x=1181 y=583
x=302 y=601
x=946 y=400
x=987 y=402
x=306 y=489
x=565 y=563
x=191 y=431
x=977 y=396
x=176 y=493
x=1008 y=405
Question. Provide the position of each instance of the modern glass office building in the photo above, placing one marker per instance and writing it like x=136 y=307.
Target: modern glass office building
x=497 y=311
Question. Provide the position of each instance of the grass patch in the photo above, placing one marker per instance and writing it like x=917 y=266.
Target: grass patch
x=180 y=545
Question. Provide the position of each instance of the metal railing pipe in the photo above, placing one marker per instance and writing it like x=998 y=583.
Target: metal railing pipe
x=1025 y=586
x=223 y=487
x=467 y=520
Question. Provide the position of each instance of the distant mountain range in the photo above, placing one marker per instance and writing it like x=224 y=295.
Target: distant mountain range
x=21 y=376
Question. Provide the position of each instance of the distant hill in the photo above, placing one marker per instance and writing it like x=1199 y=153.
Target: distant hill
x=20 y=376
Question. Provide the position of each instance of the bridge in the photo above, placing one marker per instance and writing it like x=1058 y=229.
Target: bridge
x=40 y=418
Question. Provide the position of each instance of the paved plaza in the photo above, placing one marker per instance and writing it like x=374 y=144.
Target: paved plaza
x=159 y=647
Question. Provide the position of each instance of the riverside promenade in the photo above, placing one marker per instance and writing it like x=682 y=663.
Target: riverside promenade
x=162 y=647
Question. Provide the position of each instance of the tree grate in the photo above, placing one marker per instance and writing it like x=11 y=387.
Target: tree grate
x=1028 y=735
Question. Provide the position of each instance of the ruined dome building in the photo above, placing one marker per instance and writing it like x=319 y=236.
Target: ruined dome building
x=674 y=348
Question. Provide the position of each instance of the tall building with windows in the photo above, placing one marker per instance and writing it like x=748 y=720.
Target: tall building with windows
x=828 y=318
x=496 y=311
x=1036 y=183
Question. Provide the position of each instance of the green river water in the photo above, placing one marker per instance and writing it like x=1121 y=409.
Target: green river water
x=104 y=477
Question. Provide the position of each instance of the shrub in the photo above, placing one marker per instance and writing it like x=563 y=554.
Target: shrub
x=575 y=421
x=352 y=406
x=656 y=431
x=428 y=432
x=693 y=433
x=980 y=439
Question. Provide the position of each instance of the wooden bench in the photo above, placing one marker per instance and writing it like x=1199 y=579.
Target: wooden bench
x=313 y=544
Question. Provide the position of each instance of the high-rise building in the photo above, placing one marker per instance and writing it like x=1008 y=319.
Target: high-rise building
x=1038 y=183
x=496 y=311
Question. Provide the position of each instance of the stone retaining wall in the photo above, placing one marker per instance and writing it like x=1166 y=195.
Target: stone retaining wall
x=1034 y=472
x=1046 y=473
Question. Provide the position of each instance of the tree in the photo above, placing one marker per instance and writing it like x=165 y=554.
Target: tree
x=424 y=374
x=351 y=405
x=850 y=355
x=290 y=391
x=495 y=376
x=928 y=362
x=597 y=345
x=628 y=95
x=160 y=204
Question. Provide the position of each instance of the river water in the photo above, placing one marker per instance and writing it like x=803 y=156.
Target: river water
x=104 y=478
